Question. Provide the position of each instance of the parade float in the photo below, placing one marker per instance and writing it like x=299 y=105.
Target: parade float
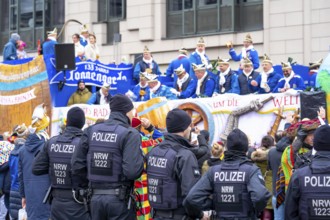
x=27 y=83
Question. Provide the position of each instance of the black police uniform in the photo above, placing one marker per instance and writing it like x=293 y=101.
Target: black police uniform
x=308 y=194
x=237 y=188
x=172 y=170
x=111 y=159
x=55 y=159
x=302 y=160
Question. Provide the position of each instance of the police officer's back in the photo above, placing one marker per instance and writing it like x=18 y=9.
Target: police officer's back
x=172 y=168
x=55 y=158
x=236 y=185
x=111 y=159
x=308 y=194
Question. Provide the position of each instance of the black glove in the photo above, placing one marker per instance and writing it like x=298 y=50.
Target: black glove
x=301 y=133
x=150 y=128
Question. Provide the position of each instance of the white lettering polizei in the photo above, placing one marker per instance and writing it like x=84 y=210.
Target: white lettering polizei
x=157 y=162
x=229 y=176
x=65 y=148
x=104 y=137
x=317 y=181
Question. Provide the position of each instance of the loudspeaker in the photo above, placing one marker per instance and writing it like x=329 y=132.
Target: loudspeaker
x=65 y=57
x=310 y=103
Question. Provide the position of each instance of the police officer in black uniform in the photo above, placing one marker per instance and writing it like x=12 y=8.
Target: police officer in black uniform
x=55 y=158
x=110 y=159
x=172 y=168
x=236 y=185
x=308 y=194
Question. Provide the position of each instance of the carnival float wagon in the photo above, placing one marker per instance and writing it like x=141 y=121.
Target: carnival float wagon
x=24 y=84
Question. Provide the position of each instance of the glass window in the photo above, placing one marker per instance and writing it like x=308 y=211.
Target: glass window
x=13 y=17
x=175 y=5
x=54 y=13
x=30 y=18
x=174 y=25
x=207 y=19
x=102 y=10
x=251 y=15
x=111 y=11
x=189 y=22
x=26 y=15
x=116 y=9
x=212 y=16
x=226 y=16
x=4 y=19
x=207 y=2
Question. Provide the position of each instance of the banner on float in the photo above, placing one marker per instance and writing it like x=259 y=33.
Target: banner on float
x=217 y=109
x=23 y=86
x=94 y=73
x=17 y=99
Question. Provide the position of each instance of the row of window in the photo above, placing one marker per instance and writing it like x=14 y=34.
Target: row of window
x=32 y=18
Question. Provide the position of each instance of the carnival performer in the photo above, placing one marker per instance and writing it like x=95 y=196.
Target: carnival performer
x=157 y=89
x=92 y=51
x=199 y=57
x=34 y=188
x=148 y=141
x=248 y=51
x=227 y=80
x=147 y=64
x=268 y=78
x=291 y=80
x=84 y=34
x=183 y=60
x=48 y=46
x=185 y=86
x=205 y=82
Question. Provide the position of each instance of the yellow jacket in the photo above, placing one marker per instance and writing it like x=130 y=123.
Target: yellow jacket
x=79 y=97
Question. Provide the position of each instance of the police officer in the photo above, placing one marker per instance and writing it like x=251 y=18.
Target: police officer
x=308 y=194
x=236 y=185
x=110 y=159
x=55 y=158
x=172 y=168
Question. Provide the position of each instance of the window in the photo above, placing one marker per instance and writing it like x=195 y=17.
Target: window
x=111 y=12
x=30 y=18
x=191 y=17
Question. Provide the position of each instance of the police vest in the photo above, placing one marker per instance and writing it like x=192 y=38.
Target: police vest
x=104 y=157
x=230 y=194
x=60 y=151
x=315 y=194
x=163 y=188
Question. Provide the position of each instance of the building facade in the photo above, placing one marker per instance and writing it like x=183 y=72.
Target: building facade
x=279 y=28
